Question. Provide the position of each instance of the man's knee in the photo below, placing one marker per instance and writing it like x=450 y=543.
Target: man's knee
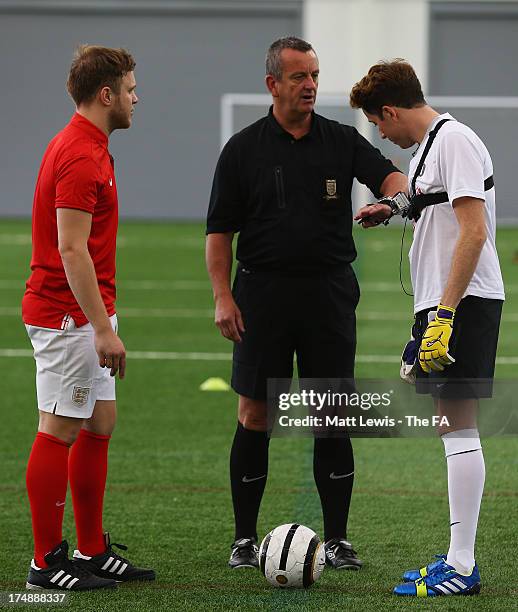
x=252 y=414
x=103 y=419
x=459 y=414
x=61 y=427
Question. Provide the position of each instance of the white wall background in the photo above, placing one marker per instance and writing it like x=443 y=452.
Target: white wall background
x=458 y=48
x=351 y=35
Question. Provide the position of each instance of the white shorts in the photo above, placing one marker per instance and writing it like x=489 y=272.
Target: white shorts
x=69 y=379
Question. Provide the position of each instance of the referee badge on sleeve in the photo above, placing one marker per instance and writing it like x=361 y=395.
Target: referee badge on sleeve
x=331 y=190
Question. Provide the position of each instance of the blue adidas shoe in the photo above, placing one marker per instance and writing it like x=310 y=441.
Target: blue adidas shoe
x=442 y=580
x=413 y=575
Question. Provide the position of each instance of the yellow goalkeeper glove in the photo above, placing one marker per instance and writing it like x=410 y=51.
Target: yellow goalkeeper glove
x=433 y=352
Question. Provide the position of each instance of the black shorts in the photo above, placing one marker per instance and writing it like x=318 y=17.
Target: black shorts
x=473 y=345
x=312 y=316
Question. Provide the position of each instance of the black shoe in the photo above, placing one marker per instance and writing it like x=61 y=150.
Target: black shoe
x=63 y=574
x=111 y=565
x=245 y=553
x=340 y=555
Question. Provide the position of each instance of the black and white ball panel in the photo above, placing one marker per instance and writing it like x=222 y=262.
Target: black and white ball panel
x=291 y=556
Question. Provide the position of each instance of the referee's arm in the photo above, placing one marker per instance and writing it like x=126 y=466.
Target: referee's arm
x=224 y=219
x=394 y=183
x=218 y=255
x=374 y=214
x=381 y=177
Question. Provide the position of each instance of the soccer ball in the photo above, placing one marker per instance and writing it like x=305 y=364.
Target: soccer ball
x=292 y=556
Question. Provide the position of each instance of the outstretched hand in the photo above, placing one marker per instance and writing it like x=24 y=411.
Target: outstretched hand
x=373 y=215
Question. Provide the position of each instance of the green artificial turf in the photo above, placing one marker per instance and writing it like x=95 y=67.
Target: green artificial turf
x=168 y=496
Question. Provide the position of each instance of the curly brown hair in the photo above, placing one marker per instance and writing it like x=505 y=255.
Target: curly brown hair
x=389 y=83
x=95 y=67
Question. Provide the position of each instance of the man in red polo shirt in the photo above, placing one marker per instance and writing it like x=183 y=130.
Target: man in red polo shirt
x=69 y=312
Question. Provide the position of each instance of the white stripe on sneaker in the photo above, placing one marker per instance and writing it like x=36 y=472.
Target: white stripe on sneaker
x=64 y=580
x=105 y=566
x=459 y=583
x=442 y=589
x=115 y=565
x=122 y=568
x=451 y=586
x=57 y=576
x=72 y=582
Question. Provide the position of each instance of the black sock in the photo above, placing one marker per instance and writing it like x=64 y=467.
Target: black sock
x=248 y=472
x=333 y=468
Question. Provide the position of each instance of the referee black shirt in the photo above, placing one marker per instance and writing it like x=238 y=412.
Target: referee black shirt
x=290 y=200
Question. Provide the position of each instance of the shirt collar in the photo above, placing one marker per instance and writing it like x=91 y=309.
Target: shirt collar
x=436 y=121
x=83 y=124
x=280 y=131
x=432 y=125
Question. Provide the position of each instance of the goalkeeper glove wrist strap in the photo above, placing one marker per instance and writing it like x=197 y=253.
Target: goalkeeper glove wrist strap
x=445 y=314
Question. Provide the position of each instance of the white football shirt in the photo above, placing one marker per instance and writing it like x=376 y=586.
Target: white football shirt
x=458 y=163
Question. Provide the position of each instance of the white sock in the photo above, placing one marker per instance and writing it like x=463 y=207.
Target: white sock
x=466 y=474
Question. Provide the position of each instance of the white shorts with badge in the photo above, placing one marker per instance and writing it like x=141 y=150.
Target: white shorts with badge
x=69 y=379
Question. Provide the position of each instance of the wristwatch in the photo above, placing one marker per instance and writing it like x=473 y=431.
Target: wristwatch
x=399 y=204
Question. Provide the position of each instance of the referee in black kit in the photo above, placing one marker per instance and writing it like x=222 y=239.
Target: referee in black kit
x=284 y=184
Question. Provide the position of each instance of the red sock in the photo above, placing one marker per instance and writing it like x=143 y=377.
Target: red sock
x=87 y=469
x=47 y=476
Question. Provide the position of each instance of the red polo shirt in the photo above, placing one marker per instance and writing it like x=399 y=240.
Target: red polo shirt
x=76 y=172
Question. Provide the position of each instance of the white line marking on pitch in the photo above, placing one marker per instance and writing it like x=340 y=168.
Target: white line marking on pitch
x=196 y=285
x=15 y=239
x=135 y=285
x=188 y=242
x=177 y=356
x=135 y=313
x=208 y=313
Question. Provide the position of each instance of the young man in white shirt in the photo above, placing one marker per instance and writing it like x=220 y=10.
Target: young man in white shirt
x=458 y=294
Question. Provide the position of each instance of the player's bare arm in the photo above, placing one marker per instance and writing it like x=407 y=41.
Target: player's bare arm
x=73 y=232
x=393 y=183
x=434 y=351
x=377 y=213
x=472 y=236
x=219 y=265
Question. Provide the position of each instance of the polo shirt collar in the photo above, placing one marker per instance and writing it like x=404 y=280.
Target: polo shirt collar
x=280 y=131
x=83 y=124
x=435 y=121
x=432 y=125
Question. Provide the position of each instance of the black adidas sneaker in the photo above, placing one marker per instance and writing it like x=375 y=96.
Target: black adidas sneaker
x=245 y=553
x=64 y=575
x=341 y=555
x=111 y=565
